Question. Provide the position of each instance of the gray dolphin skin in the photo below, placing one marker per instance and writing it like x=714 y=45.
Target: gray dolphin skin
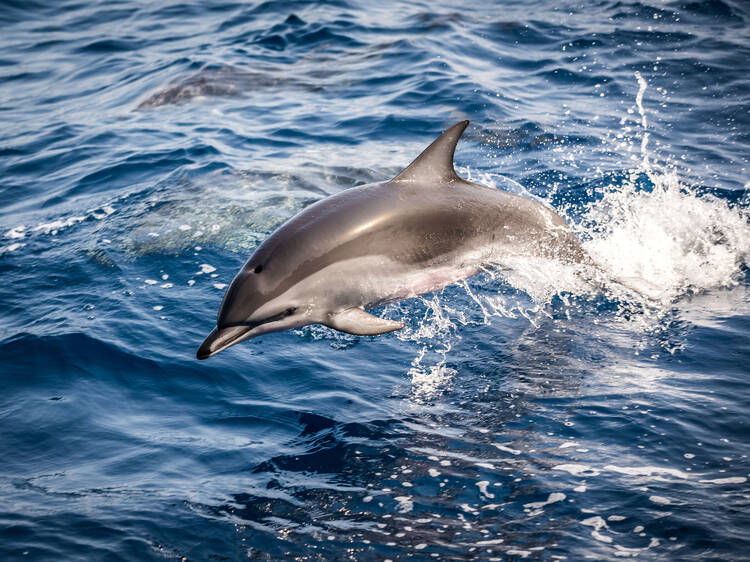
x=380 y=243
x=225 y=81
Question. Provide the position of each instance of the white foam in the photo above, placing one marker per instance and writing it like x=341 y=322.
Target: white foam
x=405 y=503
x=429 y=373
x=517 y=552
x=598 y=523
x=642 y=85
x=577 y=469
x=11 y=247
x=54 y=227
x=730 y=480
x=661 y=500
x=600 y=537
x=17 y=232
x=507 y=449
x=651 y=246
x=482 y=485
x=666 y=242
x=647 y=471
x=101 y=213
x=489 y=542
x=554 y=497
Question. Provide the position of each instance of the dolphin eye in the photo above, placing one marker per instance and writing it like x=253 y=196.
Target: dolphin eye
x=289 y=311
x=258 y=268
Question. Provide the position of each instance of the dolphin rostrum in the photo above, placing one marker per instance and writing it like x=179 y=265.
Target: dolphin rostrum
x=378 y=243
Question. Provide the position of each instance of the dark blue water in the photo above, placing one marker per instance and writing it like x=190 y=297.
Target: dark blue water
x=147 y=148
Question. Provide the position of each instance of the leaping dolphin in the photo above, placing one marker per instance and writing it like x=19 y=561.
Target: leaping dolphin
x=378 y=243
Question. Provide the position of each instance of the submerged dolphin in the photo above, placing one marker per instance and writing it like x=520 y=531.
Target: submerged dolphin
x=380 y=243
x=225 y=81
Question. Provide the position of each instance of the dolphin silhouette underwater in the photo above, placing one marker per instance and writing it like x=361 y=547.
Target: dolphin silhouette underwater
x=383 y=242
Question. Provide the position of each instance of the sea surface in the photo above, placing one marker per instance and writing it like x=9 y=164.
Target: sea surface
x=530 y=412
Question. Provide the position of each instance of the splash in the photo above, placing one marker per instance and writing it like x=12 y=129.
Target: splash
x=667 y=242
x=653 y=238
x=430 y=375
x=662 y=238
x=642 y=85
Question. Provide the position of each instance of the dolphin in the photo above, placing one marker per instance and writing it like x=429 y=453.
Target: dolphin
x=225 y=81
x=383 y=242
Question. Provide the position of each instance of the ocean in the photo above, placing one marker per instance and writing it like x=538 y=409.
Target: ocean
x=529 y=412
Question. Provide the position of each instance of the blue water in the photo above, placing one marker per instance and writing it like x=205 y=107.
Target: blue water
x=531 y=412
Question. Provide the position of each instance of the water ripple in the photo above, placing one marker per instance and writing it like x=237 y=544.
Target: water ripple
x=532 y=411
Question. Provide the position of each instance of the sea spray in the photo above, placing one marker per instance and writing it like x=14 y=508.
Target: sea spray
x=434 y=333
x=660 y=237
x=653 y=239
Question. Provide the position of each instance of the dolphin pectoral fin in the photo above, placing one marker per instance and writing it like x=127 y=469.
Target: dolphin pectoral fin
x=360 y=323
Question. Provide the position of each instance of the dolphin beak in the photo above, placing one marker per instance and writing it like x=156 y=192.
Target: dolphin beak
x=221 y=338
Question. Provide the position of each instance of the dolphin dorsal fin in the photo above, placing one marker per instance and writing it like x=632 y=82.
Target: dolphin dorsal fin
x=436 y=161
